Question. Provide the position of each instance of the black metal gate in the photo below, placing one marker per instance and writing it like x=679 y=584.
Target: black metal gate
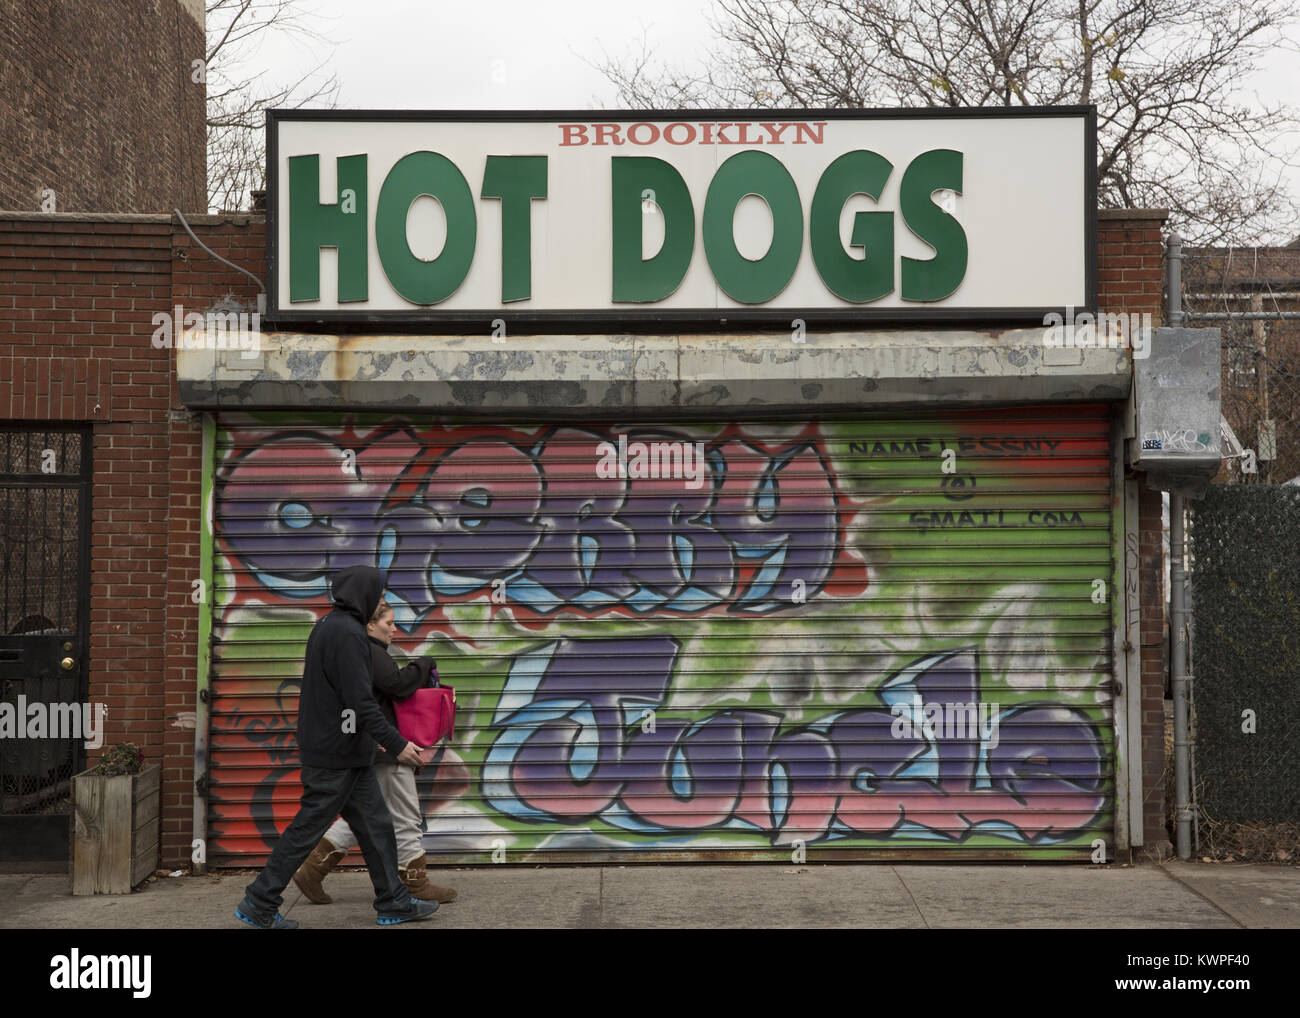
x=46 y=719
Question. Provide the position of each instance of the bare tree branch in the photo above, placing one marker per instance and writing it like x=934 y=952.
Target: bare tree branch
x=1167 y=78
x=237 y=100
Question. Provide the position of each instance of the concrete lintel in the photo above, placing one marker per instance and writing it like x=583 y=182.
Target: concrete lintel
x=1149 y=214
x=635 y=374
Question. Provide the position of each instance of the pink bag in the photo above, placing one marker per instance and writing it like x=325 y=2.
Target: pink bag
x=427 y=715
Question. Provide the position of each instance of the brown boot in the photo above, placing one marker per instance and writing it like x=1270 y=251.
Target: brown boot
x=417 y=883
x=324 y=857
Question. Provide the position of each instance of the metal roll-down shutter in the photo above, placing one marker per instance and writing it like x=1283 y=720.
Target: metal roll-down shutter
x=871 y=638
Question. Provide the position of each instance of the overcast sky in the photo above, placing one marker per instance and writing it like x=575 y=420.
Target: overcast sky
x=530 y=54
x=518 y=54
x=484 y=54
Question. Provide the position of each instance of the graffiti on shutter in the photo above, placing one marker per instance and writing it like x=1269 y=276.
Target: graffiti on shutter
x=693 y=638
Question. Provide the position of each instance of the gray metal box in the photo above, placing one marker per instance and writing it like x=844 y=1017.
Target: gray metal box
x=1176 y=406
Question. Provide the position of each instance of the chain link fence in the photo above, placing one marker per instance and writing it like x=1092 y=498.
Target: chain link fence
x=1244 y=569
x=1259 y=290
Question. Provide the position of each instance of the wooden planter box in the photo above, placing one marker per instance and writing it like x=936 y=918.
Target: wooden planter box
x=115 y=830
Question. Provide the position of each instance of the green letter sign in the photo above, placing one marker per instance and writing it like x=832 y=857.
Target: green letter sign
x=420 y=281
x=516 y=180
x=638 y=180
x=934 y=278
x=858 y=280
x=746 y=173
x=313 y=226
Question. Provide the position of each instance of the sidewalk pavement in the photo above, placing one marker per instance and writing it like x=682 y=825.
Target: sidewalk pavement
x=1173 y=895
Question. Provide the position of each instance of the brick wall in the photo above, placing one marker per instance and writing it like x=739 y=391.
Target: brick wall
x=78 y=295
x=100 y=105
x=1129 y=279
x=199 y=283
x=1130 y=252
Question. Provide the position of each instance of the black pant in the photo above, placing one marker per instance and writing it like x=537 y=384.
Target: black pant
x=326 y=794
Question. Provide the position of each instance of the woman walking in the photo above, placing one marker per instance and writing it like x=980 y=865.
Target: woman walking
x=396 y=780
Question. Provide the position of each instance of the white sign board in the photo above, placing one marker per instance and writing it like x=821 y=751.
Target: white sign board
x=756 y=216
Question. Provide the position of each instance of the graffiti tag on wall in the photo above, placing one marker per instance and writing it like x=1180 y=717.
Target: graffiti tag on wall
x=545 y=526
x=574 y=750
x=552 y=530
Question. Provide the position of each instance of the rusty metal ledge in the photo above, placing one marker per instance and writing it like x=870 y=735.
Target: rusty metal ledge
x=611 y=376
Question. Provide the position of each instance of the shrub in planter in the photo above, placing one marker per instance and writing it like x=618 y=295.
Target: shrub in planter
x=127 y=758
x=115 y=835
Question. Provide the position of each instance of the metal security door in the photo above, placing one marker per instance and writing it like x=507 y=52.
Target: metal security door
x=887 y=637
x=44 y=619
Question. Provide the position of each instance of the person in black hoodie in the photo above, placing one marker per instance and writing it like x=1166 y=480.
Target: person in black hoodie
x=393 y=682
x=339 y=726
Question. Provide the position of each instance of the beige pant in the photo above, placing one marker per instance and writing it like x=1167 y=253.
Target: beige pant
x=398 y=787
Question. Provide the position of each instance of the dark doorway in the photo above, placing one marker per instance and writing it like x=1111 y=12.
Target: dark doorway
x=45 y=477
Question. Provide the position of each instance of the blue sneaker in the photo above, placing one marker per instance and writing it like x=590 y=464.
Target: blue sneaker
x=245 y=913
x=413 y=911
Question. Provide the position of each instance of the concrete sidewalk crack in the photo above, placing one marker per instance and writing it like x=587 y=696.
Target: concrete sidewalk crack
x=1213 y=904
x=600 y=901
x=898 y=876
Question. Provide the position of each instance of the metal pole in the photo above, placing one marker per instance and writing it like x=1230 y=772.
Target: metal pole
x=1178 y=680
x=1175 y=280
x=1243 y=316
x=1261 y=373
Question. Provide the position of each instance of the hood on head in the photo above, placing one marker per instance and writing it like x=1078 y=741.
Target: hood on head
x=358 y=590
